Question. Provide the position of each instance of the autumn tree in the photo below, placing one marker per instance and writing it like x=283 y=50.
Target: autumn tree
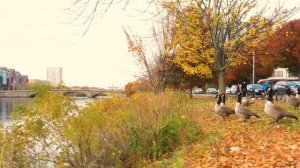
x=139 y=85
x=193 y=54
x=282 y=50
x=243 y=72
x=285 y=47
x=157 y=61
x=228 y=30
x=233 y=29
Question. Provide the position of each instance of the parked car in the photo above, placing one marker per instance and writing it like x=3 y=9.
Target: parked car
x=228 y=90
x=293 y=85
x=256 y=88
x=233 y=89
x=198 y=91
x=211 y=91
x=280 y=87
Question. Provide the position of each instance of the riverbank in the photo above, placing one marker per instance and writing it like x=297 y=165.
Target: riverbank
x=232 y=143
x=116 y=132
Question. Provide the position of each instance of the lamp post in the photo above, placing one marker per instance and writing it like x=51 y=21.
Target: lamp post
x=253 y=65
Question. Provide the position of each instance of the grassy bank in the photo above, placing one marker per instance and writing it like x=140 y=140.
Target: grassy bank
x=146 y=130
x=255 y=143
x=118 y=132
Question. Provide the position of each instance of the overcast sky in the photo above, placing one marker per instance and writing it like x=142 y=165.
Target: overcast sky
x=35 y=34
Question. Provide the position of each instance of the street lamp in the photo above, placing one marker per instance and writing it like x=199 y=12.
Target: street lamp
x=253 y=65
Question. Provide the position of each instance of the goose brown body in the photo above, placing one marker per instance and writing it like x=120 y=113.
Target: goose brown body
x=221 y=109
x=292 y=101
x=248 y=101
x=241 y=111
x=274 y=111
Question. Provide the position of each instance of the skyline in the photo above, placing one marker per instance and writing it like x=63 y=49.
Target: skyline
x=35 y=35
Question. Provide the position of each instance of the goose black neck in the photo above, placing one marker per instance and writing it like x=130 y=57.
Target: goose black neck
x=223 y=98
x=239 y=100
x=298 y=89
x=288 y=91
x=219 y=100
x=270 y=96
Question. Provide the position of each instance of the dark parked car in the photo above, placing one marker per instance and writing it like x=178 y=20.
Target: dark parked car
x=280 y=87
x=257 y=89
x=198 y=91
x=293 y=85
x=212 y=91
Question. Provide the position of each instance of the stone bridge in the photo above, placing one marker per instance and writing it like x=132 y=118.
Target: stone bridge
x=68 y=92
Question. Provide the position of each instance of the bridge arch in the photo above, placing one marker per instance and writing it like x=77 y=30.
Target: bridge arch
x=32 y=95
x=76 y=94
x=98 y=94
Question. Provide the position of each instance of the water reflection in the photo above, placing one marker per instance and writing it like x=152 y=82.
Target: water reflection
x=82 y=101
x=7 y=105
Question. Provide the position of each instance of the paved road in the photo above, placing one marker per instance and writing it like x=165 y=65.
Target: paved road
x=199 y=96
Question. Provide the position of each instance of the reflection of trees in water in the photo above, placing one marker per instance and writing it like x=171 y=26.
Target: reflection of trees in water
x=7 y=105
x=3 y=111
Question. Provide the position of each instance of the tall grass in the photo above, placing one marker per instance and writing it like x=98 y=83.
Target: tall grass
x=118 y=132
x=147 y=126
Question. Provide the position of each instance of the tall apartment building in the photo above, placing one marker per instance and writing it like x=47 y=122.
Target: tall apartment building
x=54 y=76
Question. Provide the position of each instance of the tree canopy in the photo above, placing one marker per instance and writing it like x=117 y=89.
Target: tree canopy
x=233 y=28
x=285 y=47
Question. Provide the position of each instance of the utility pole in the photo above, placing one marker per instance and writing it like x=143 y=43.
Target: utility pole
x=253 y=65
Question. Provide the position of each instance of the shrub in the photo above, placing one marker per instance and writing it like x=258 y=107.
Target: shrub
x=118 y=132
x=175 y=131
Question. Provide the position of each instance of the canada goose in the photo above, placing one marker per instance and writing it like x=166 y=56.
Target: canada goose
x=222 y=110
x=223 y=98
x=244 y=89
x=248 y=101
x=298 y=91
x=241 y=111
x=273 y=111
x=293 y=101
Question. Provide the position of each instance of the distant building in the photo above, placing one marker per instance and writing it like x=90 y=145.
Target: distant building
x=282 y=74
x=54 y=76
x=10 y=79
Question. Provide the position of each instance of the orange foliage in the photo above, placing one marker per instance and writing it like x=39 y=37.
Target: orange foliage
x=284 y=48
x=137 y=86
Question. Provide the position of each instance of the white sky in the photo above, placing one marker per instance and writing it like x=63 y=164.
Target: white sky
x=34 y=35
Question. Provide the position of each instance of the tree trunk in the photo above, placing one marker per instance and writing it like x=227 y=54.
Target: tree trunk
x=221 y=82
x=191 y=90
x=159 y=87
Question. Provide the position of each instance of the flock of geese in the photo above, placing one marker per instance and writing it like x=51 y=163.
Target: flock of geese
x=242 y=111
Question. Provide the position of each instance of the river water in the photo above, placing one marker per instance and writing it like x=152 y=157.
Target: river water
x=7 y=105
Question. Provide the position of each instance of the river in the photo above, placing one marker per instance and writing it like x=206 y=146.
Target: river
x=7 y=105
